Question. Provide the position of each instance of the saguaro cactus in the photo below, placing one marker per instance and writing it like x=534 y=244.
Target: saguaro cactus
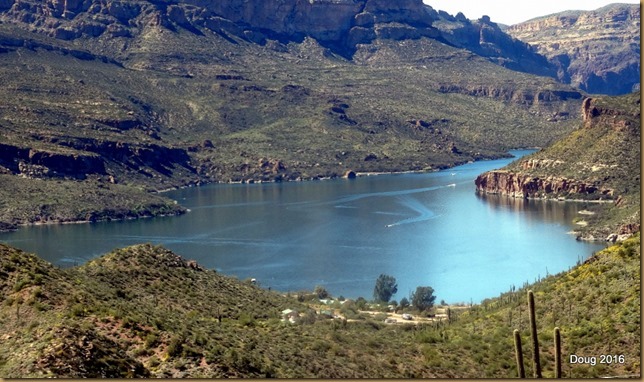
x=519 y=353
x=533 y=333
x=536 y=363
x=557 y=353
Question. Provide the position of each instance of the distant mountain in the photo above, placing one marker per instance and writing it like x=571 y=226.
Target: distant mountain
x=600 y=161
x=126 y=97
x=596 y=51
x=339 y=25
x=490 y=40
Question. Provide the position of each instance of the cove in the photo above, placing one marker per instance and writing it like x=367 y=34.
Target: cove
x=422 y=228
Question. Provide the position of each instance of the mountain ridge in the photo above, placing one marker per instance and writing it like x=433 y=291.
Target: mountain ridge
x=596 y=51
x=354 y=23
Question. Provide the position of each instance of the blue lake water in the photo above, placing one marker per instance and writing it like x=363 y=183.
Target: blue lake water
x=423 y=229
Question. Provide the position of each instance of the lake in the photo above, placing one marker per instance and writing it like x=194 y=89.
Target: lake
x=427 y=229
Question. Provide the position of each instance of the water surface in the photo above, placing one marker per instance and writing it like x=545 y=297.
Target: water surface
x=424 y=229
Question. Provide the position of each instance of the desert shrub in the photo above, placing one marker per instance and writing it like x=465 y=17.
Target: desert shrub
x=78 y=310
x=175 y=347
x=21 y=284
x=246 y=319
x=151 y=340
x=154 y=361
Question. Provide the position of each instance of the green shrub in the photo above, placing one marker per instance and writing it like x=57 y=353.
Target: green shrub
x=175 y=347
x=246 y=319
x=78 y=310
x=154 y=361
x=21 y=284
x=151 y=340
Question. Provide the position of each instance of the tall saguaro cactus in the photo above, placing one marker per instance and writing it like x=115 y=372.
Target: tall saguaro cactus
x=557 y=353
x=533 y=333
x=536 y=363
x=519 y=353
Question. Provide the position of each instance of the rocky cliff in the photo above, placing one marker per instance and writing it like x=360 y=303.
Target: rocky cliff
x=527 y=186
x=339 y=24
x=487 y=39
x=596 y=51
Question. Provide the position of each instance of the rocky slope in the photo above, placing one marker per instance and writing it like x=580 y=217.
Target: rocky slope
x=596 y=51
x=340 y=25
x=487 y=39
x=138 y=96
x=600 y=161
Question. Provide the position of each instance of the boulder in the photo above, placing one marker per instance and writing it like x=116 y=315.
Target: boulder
x=349 y=174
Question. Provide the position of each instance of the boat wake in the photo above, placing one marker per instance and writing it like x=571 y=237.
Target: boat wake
x=423 y=212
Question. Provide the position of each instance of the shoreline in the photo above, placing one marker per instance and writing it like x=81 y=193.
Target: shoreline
x=16 y=226
x=554 y=199
x=357 y=173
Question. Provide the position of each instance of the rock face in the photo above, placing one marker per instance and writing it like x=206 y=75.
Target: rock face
x=338 y=24
x=40 y=164
x=511 y=94
x=35 y=163
x=486 y=38
x=596 y=51
x=526 y=186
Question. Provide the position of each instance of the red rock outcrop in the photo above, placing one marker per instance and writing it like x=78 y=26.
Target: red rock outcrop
x=520 y=185
x=594 y=114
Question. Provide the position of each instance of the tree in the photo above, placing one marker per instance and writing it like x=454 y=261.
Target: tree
x=423 y=298
x=385 y=288
x=321 y=292
x=404 y=302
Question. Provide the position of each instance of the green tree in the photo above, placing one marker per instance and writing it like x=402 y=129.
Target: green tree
x=404 y=303
x=423 y=298
x=385 y=288
x=321 y=292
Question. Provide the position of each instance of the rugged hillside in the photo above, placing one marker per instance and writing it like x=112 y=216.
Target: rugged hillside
x=596 y=51
x=143 y=311
x=487 y=39
x=600 y=161
x=340 y=25
x=131 y=97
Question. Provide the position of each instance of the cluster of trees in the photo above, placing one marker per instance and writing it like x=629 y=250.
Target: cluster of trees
x=422 y=299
